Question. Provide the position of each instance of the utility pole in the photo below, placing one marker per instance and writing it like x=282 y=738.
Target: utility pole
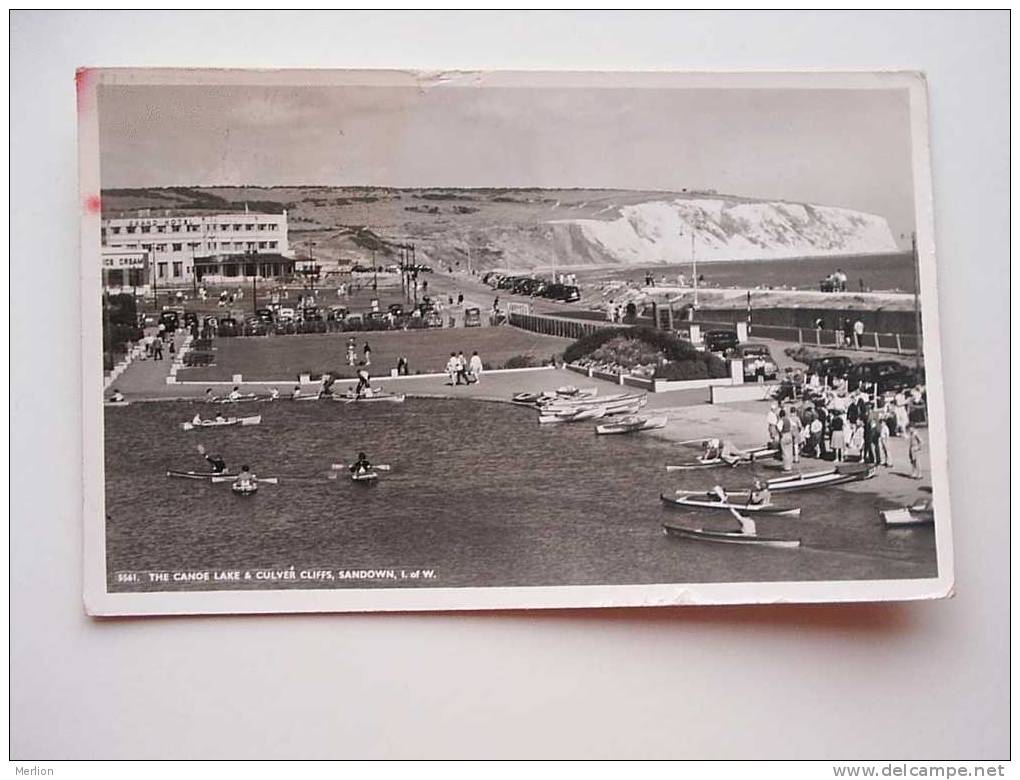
x=694 y=262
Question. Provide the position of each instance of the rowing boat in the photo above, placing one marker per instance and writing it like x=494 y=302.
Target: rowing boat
x=727 y=537
x=239 y=399
x=691 y=502
x=365 y=476
x=631 y=425
x=116 y=403
x=747 y=456
x=838 y=475
x=559 y=404
x=245 y=489
x=199 y=474
x=578 y=416
x=387 y=397
x=909 y=515
x=255 y=420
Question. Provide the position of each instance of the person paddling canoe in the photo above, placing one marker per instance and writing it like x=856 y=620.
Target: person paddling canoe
x=760 y=494
x=197 y=419
x=295 y=393
x=722 y=449
x=747 y=525
x=220 y=418
x=235 y=394
x=363 y=387
x=246 y=480
x=117 y=396
x=361 y=465
x=219 y=466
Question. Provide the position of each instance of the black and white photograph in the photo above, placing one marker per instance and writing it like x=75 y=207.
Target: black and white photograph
x=393 y=340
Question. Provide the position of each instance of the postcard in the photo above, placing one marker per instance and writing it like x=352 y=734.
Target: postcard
x=393 y=341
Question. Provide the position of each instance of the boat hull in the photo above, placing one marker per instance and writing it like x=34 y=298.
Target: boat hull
x=202 y=475
x=707 y=503
x=727 y=537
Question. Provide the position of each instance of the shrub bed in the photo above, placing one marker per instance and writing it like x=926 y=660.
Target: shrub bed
x=647 y=350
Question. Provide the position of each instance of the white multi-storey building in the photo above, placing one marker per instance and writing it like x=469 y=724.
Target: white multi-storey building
x=176 y=251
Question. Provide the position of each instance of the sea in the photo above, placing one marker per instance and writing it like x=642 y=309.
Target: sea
x=882 y=272
x=478 y=495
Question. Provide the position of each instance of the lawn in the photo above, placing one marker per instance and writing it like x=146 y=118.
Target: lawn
x=283 y=358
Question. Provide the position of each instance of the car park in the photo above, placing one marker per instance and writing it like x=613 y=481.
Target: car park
x=170 y=320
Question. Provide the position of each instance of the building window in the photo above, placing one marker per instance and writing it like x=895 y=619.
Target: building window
x=115 y=230
x=131 y=228
x=178 y=247
x=161 y=270
x=238 y=227
x=272 y=244
x=194 y=245
x=249 y=227
x=146 y=228
x=160 y=247
x=177 y=270
x=161 y=228
x=262 y=244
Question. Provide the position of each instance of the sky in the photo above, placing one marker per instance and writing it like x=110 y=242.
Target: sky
x=836 y=147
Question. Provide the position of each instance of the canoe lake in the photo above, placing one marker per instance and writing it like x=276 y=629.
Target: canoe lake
x=479 y=494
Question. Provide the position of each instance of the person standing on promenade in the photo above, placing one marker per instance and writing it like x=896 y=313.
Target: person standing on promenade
x=367 y=351
x=772 y=421
x=786 y=440
x=351 y=351
x=451 y=367
x=858 y=333
x=476 y=367
x=796 y=430
x=836 y=442
x=462 y=369
x=914 y=451
x=883 y=443
x=157 y=347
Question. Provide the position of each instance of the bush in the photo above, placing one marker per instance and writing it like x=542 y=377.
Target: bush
x=521 y=361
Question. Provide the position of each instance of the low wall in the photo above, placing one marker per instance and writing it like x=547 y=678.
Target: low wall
x=750 y=391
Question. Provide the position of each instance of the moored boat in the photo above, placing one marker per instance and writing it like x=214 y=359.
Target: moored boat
x=837 y=475
x=921 y=514
x=378 y=397
x=727 y=537
x=746 y=456
x=706 y=502
x=245 y=488
x=631 y=425
x=578 y=416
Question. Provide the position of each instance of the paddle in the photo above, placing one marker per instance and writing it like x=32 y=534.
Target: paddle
x=380 y=467
x=266 y=480
x=744 y=521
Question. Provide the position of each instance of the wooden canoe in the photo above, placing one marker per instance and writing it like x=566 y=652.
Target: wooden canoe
x=727 y=537
x=746 y=456
x=631 y=425
x=705 y=502
x=909 y=515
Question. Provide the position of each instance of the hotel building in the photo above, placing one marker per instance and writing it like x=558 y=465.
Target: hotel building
x=181 y=251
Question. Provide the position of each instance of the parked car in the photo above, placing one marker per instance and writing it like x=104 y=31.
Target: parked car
x=285 y=314
x=830 y=366
x=264 y=315
x=751 y=354
x=720 y=340
x=567 y=293
x=311 y=314
x=396 y=309
x=190 y=320
x=337 y=313
x=472 y=318
x=354 y=322
x=170 y=320
x=885 y=375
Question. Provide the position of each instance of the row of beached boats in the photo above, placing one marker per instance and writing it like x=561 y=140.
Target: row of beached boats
x=572 y=404
x=738 y=503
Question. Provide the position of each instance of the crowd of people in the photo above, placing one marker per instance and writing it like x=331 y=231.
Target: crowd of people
x=837 y=425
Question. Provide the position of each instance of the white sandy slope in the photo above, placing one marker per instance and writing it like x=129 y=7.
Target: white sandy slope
x=660 y=231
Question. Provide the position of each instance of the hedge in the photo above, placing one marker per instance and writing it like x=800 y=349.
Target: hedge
x=685 y=360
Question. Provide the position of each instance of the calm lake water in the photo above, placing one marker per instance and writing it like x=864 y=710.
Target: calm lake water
x=879 y=272
x=479 y=494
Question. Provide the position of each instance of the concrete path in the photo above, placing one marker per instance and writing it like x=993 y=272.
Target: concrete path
x=145 y=377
